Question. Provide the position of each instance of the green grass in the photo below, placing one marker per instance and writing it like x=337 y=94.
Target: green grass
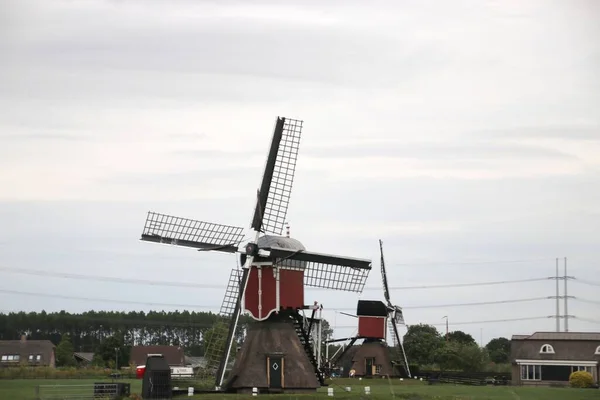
x=24 y=389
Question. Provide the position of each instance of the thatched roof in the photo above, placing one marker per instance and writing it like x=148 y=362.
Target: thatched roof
x=270 y=338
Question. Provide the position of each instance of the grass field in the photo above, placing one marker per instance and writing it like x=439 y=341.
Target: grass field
x=24 y=389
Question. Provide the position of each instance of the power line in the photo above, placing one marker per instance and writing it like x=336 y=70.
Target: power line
x=214 y=307
x=184 y=324
x=488 y=321
x=586 y=282
x=69 y=275
x=59 y=296
x=592 y=320
x=584 y=300
x=453 y=285
x=443 y=263
x=481 y=303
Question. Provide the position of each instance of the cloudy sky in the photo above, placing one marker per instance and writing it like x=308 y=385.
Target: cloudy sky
x=465 y=134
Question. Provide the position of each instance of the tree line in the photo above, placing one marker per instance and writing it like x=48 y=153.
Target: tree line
x=89 y=329
x=426 y=346
x=101 y=332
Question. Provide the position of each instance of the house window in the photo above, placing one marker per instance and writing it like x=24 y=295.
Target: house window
x=378 y=369
x=38 y=357
x=4 y=358
x=580 y=368
x=531 y=372
x=597 y=350
x=11 y=357
x=31 y=357
x=547 y=349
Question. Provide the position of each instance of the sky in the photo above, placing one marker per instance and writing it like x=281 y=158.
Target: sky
x=464 y=134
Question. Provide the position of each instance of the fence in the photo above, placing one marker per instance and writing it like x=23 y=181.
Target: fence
x=467 y=378
x=96 y=391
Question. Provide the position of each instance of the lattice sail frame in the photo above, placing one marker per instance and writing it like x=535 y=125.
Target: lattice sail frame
x=280 y=189
x=328 y=276
x=163 y=228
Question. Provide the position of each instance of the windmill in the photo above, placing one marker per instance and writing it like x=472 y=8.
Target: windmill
x=374 y=356
x=277 y=353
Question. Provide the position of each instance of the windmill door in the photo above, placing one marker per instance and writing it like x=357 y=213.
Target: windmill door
x=275 y=372
x=369 y=362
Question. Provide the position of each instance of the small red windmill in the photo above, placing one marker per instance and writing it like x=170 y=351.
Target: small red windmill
x=277 y=353
x=375 y=320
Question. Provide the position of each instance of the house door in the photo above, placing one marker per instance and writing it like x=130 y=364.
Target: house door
x=369 y=366
x=275 y=364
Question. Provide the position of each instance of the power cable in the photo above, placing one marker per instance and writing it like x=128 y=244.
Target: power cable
x=453 y=285
x=585 y=300
x=591 y=320
x=185 y=324
x=489 y=321
x=444 y=263
x=59 y=296
x=214 y=307
x=69 y=275
x=479 y=303
x=586 y=282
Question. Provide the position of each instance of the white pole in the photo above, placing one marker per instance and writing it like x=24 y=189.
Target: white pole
x=566 y=300
x=557 y=299
x=319 y=336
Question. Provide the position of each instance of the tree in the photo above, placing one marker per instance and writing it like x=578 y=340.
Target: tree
x=64 y=352
x=326 y=330
x=499 y=350
x=421 y=342
x=461 y=337
x=113 y=352
x=459 y=356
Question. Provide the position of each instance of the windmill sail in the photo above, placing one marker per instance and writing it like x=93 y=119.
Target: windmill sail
x=162 y=228
x=325 y=270
x=386 y=291
x=396 y=316
x=276 y=185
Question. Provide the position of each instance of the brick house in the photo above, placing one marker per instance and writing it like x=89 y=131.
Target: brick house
x=549 y=358
x=27 y=352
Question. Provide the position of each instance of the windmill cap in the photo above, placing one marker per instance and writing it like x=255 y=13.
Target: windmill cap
x=371 y=308
x=283 y=242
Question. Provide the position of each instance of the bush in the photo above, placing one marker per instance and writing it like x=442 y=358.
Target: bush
x=581 y=379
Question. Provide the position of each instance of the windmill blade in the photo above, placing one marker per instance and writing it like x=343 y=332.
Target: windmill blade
x=162 y=228
x=400 y=347
x=325 y=270
x=386 y=291
x=350 y=315
x=398 y=316
x=276 y=185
